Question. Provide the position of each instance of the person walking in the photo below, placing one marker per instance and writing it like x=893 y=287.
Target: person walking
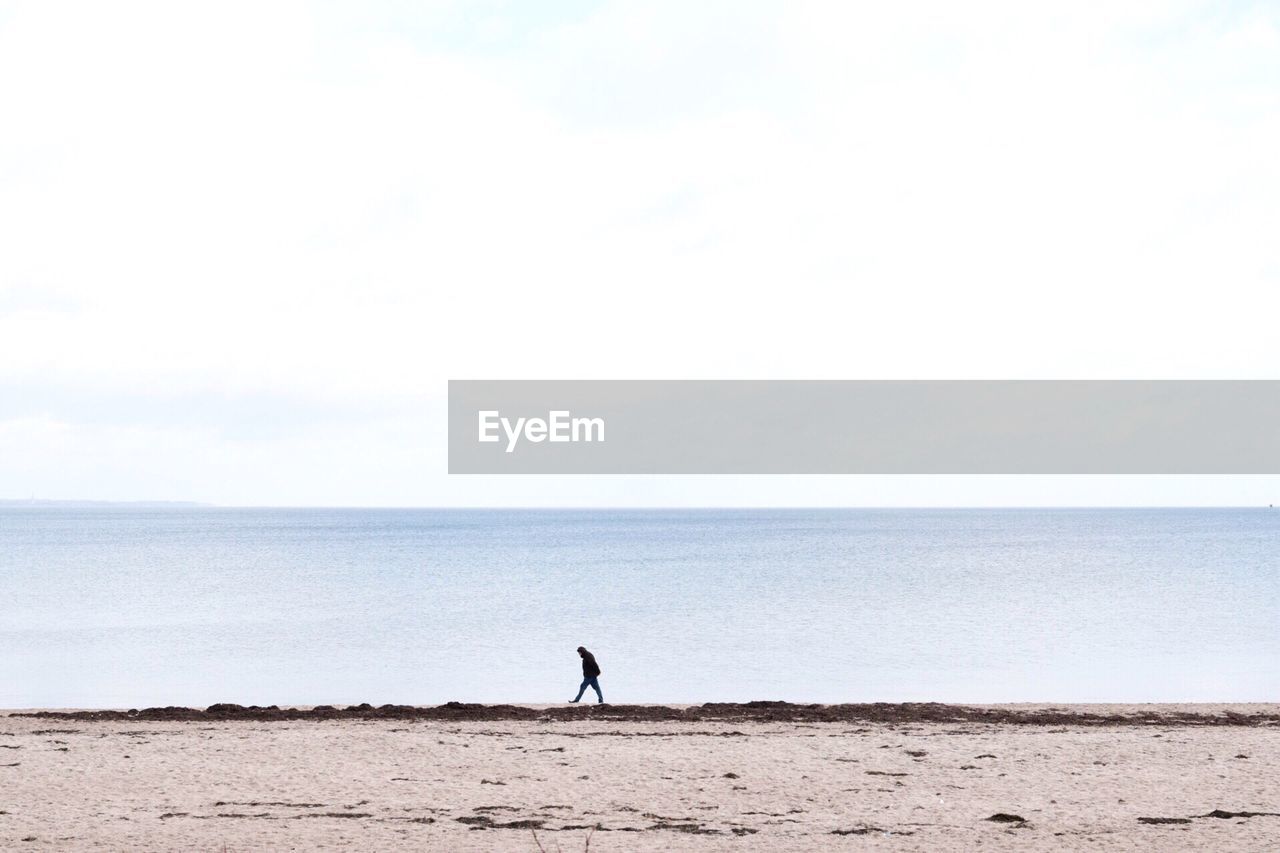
x=590 y=672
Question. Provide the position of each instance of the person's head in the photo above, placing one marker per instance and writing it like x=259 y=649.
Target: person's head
x=582 y=651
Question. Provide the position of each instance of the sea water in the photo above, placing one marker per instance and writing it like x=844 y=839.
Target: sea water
x=130 y=607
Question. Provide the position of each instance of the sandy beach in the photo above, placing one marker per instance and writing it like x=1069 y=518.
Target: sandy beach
x=716 y=777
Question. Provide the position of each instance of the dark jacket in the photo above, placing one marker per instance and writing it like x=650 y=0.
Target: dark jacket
x=590 y=669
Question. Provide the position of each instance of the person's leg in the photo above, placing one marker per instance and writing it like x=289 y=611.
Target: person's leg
x=595 y=685
x=582 y=688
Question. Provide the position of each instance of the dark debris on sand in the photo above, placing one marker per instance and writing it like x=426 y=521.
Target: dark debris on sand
x=1004 y=817
x=1226 y=815
x=760 y=712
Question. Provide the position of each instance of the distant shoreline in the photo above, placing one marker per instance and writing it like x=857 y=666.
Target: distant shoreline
x=1122 y=714
x=620 y=508
x=72 y=504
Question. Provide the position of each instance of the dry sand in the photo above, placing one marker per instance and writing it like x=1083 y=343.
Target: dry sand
x=715 y=778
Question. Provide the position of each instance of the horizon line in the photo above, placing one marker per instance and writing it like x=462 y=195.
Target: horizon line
x=187 y=504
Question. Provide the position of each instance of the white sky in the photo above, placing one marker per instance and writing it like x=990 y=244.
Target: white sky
x=242 y=247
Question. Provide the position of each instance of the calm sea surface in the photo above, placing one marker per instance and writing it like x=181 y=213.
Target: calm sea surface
x=133 y=607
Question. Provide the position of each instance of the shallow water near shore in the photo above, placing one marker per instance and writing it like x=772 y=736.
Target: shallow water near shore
x=129 y=607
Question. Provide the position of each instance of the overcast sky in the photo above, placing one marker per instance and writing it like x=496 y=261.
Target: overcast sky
x=243 y=247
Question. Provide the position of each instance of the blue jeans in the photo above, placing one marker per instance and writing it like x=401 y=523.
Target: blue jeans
x=593 y=684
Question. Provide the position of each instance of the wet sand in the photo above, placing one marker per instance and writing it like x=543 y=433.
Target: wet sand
x=759 y=776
